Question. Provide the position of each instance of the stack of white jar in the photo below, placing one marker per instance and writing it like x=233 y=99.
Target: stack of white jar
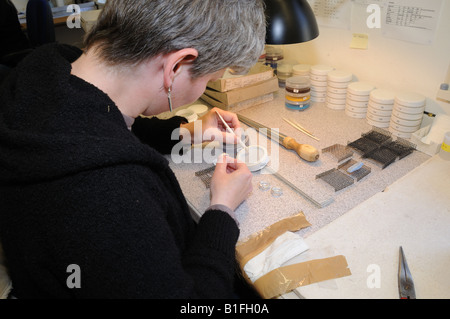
x=337 y=83
x=358 y=94
x=379 y=109
x=318 y=76
x=407 y=114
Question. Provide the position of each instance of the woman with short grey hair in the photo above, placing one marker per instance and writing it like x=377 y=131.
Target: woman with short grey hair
x=90 y=207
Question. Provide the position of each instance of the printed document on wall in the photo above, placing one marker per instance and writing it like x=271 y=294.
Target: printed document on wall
x=332 y=13
x=412 y=20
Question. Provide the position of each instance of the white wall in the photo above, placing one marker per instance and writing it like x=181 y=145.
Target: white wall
x=22 y=4
x=388 y=63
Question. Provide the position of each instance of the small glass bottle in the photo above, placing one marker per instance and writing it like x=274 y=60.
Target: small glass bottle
x=284 y=71
x=273 y=57
x=297 y=93
x=444 y=152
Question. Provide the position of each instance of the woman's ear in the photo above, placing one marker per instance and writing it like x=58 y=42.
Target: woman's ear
x=174 y=62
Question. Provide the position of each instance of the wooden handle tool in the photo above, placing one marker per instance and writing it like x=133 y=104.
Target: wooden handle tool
x=307 y=152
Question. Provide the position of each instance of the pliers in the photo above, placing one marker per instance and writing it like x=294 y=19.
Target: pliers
x=405 y=281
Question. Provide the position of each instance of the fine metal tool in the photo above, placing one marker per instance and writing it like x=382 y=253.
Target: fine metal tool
x=299 y=191
x=305 y=151
x=405 y=281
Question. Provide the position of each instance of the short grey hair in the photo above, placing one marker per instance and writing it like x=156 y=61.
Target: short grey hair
x=226 y=33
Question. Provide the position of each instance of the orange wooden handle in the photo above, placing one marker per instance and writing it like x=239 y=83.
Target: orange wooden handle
x=307 y=152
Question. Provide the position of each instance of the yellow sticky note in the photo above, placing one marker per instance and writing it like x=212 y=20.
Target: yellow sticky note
x=360 y=41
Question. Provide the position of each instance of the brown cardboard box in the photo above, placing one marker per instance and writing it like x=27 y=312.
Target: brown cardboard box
x=238 y=106
x=258 y=73
x=245 y=93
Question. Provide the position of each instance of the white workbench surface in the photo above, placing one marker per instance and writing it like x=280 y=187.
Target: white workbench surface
x=413 y=212
x=407 y=204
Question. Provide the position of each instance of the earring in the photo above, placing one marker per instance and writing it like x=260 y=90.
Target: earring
x=169 y=98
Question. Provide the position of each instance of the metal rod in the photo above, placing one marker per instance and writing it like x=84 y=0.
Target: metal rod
x=299 y=191
x=276 y=136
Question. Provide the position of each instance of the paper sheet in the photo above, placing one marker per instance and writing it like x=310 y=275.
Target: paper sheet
x=413 y=20
x=332 y=13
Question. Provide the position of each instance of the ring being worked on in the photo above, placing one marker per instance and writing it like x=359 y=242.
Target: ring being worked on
x=276 y=192
x=264 y=185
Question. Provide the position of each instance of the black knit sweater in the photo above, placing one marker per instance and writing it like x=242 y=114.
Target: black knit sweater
x=77 y=187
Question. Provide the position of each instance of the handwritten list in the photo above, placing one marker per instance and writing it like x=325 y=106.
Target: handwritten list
x=412 y=20
x=332 y=13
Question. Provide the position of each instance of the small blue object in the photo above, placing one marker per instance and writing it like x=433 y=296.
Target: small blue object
x=297 y=107
x=355 y=167
x=444 y=86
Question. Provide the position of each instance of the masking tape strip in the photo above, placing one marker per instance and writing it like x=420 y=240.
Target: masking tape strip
x=256 y=243
x=285 y=279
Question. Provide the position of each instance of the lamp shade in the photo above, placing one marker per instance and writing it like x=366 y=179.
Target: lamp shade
x=290 y=21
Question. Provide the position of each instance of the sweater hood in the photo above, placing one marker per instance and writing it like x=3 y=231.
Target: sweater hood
x=54 y=124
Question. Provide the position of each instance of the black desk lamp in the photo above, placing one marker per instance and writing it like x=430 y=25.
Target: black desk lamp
x=290 y=21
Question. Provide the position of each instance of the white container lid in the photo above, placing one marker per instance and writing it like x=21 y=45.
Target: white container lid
x=338 y=85
x=399 y=134
x=318 y=83
x=409 y=109
x=406 y=116
x=410 y=99
x=377 y=118
x=339 y=76
x=188 y=114
x=336 y=101
x=380 y=106
x=341 y=96
x=335 y=106
x=301 y=69
x=404 y=129
x=380 y=112
x=322 y=78
x=199 y=109
x=337 y=90
x=318 y=89
x=318 y=94
x=318 y=99
x=360 y=88
x=404 y=122
x=321 y=69
x=350 y=102
x=382 y=96
x=360 y=98
x=377 y=124
x=355 y=115
x=355 y=109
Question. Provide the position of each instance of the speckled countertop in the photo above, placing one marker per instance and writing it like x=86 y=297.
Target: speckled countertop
x=261 y=209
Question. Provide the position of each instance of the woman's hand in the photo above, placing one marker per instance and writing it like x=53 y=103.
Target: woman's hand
x=231 y=183
x=212 y=128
